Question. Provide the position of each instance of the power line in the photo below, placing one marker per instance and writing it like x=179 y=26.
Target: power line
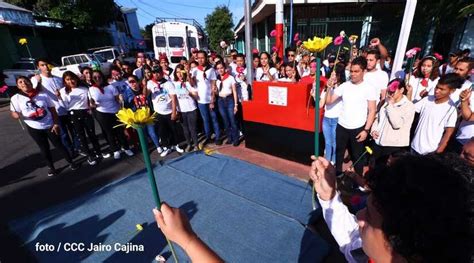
x=160 y=9
x=193 y=6
x=143 y=10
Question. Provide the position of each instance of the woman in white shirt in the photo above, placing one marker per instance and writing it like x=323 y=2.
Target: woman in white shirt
x=105 y=99
x=39 y=114
x=186 y=96
x=290 y=72
x=75 y=99
x=424 y=81
x=227 y=102
x=266 y=71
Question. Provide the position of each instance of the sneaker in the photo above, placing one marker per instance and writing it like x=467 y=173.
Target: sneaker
x=179 y=150
x=51 y=172
x=129 y=152
x=165 y=152
x=91 y=161
x=159 y=149
x=105 y=155
x=74 y=166
x=206 y=141
x=117 y=155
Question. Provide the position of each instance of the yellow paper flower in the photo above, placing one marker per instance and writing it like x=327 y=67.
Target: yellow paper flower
x=317 y=44
x=353 y=38
x=140 y=117
x=139 y=227
x=22 y=41
x=369 y=150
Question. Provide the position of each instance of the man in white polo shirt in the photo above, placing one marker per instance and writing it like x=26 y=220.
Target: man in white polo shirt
x=374 y=76
x=357 y=114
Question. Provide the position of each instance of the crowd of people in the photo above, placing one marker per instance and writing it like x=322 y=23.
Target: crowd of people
x=418 y=124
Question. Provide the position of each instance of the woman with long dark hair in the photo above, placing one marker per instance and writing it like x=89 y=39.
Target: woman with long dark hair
x=75 y=99
x=266 y=71
x=424 y=81
x=42 y=122
x=105 y=99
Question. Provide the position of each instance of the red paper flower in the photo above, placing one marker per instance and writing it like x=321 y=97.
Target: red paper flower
x=338 y=40
x=3 y=89
x=273 y=33
x=274 y=49
x=356 y=200
x=255 y=51
x=296 y=38
x=299 y=43
x=438 y=56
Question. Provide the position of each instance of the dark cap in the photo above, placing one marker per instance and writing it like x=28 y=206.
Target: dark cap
x=456 y=53
x=157 y=69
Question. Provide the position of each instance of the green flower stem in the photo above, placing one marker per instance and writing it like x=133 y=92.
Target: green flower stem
x=149 y=168
x=337 y=58
x=360 y=158
x=316 y=120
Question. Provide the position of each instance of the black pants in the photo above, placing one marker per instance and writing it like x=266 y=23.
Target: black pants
x=381 y=153
x=84 y=123
x=108 y=121
x=167 y=130
x=41 y=138
x=189 y=123
x=347 y=137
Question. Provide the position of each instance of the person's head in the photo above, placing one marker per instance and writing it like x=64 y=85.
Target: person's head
x=117 y=63
x=126 y=68
x=396 y=89
x=193 y=64
x=428 y=68
x=447 y=84
x=419 y=210
x=373 y=57
x=147 y=71
x=141 y=58
x=70 y=80
x=463 y=67
x=42 y=64
x=98 y=78
x=24 y=84
x=180 y=73
x=201 y=57
x=340 y=73
x=220 y=68
x=233 y=53
x=290 y=54
x=358 y=65
x=466 y=52
x=218 y=58
x=454 y=57
x=240 y=60
x=157 y=73
x=183 y=61
x=256 y=61
x=290 y=71
x=134 y=83
x=86 y=73
x=164 y=63
x=115 y=73
x=331 y=60
x=468 y=152
x=194 y=52
x=265 y=59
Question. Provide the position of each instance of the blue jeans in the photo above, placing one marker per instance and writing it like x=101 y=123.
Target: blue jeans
x=150 y=128
x=226 y=109
x=209 y=116
x=329 y=132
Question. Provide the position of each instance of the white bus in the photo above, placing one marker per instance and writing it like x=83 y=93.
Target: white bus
x=176 y=37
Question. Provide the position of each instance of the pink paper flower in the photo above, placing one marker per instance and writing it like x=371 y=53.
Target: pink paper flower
x=274 y=49
x=338 y=40
x=299 y=43
x=438 y=56
x=255 y=51
x=3 y=89
x=412 y=52
x=417 y=49
x=296 y=38
x=393 y=86
x=273 y=33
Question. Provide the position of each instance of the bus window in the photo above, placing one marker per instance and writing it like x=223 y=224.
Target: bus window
x=160 y=41
x=192 y=42
x=176 y=42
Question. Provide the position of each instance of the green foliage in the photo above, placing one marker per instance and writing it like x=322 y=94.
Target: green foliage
x=147 y=32
x=219 y=26
x=81 y=13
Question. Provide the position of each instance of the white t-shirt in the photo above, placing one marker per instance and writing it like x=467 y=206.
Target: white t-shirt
x=455 y=96
x=120 y=85
x=161 y=96
x=106 y=102
x=304 y=72
x=77 y=99
x=226 y=88
x=241 y=85
x=466 y=128
x=233 y=69
x=449 y=69
x=259 y=76
x=285 y=80
x=138 y=72
x=434 y=118
x=35 y=111
x=51 y=85
x=417 y=87
x=354 y=103
x=204 y=85
x=186 y=102
x=332 y=110
x=378 y=79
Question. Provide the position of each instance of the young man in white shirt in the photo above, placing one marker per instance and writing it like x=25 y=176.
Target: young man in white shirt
x=374 y=76
x=438 y=115
x=356 y=116
x=466 y=128
x=204 y=78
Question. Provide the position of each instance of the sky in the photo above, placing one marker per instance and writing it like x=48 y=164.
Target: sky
x=149 y=10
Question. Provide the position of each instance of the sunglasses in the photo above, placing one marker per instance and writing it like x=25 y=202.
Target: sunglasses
x=291 y=55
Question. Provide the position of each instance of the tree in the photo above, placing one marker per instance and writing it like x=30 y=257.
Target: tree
x=147 y=32
x=81 y=13
x=219 y=26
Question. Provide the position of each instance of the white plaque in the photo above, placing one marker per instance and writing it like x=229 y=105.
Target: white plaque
x=277 y=96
